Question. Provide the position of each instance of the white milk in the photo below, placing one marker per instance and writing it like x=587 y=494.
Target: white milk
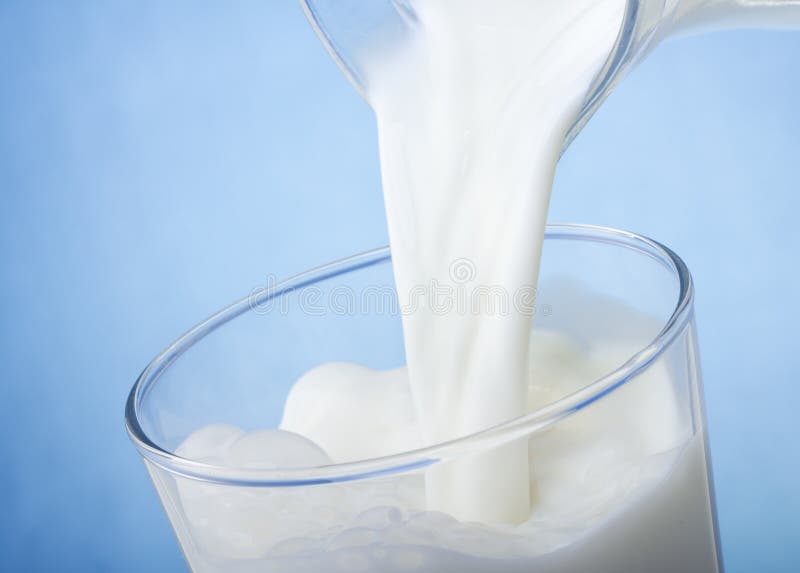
x=620 y=486
x=472 y=108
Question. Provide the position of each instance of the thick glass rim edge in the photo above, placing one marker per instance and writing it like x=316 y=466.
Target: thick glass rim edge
x=423 y=457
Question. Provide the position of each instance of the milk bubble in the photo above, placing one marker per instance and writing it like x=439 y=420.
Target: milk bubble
x=380 y=517
x=274 y=449
x=353 y=412
x=210 y=443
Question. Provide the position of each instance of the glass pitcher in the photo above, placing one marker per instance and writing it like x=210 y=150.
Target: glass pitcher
x=349 y=27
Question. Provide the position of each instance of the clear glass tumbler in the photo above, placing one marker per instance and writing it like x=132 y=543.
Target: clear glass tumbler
x=621 y=478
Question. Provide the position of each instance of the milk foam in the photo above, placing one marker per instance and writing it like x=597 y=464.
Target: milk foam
x=622 y=469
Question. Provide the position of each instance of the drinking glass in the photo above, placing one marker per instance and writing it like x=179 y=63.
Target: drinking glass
x=602 y=287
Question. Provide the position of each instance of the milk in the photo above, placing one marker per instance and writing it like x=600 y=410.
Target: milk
x=472 y=106
x=620 y=486
x=472 y=109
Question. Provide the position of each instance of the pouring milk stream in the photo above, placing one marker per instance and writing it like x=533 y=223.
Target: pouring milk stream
x=473 y=106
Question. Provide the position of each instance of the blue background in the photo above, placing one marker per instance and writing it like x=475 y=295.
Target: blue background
x=159 y=159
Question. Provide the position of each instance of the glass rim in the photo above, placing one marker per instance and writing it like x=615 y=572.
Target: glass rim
x=429 y=455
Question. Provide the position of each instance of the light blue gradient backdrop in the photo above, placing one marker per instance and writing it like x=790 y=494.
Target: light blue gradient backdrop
x=158 y=159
